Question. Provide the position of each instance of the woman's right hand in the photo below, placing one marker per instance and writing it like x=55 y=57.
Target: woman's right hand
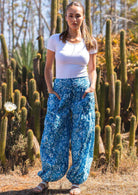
x=55 y=93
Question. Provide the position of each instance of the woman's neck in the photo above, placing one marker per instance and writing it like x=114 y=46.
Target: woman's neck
x=74 y=34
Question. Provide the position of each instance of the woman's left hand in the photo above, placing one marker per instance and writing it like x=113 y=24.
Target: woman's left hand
x=89 y=90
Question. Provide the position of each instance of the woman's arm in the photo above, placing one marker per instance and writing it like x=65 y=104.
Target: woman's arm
x=92 y=74
x=48 y=72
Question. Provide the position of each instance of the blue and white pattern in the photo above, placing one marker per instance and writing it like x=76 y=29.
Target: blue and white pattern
x=69 y=118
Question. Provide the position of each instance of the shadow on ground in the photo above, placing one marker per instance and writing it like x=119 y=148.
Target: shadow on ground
x=29 y=192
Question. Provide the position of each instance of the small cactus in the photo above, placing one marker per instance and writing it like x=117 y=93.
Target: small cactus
x=17 y=99
x=108 y=133
x=31 y=155
x=4 y=92
x=132 y=131
x=23 y=120
x=97 y=121
x=23 y=101
x=31 y=89
x=96 y=143
x=3 y=137
x=37 y=109
x=117 y=97
x=13 y=65
x=117 y=155
x=9 y=81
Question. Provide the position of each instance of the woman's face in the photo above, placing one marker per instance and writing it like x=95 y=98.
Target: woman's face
x=74 y=17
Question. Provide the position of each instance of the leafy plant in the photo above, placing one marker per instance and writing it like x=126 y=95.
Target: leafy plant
x=24 y=56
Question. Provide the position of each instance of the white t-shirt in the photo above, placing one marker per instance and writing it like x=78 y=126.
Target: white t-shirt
x=71 y=58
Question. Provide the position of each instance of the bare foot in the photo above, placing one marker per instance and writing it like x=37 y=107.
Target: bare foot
x=43 y=185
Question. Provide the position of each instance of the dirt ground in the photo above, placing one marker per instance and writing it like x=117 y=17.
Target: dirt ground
x=123 y=182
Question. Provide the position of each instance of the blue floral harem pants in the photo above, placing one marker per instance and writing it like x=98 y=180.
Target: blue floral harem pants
x=69 y=118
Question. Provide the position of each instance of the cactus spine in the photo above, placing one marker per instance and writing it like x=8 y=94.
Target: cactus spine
x=109 y=66
x=136 y=94
x=30 y=136
x=3 y=137
x=37 y=109
x=132 y=131
x=9 y=80
x=88 y=14
x=108 y=133
x=96 y=143
x=117 y=97
x=5 y=50
x=65 y=3
x=23 y=120
x=53 y=16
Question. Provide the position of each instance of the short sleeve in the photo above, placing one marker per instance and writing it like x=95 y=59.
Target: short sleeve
x=93 y=51
x=51 y=44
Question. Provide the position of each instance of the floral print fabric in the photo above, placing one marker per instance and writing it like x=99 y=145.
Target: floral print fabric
x=69 y=118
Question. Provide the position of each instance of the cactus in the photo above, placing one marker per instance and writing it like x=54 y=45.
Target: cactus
x=5 y=50
x=126 y=88
x=36 y=96
x=109 y=66
x=3 y=137
x=23 y=120
x=132 y=132
x=4 y=92
x=65 y=3
x=117 y=155
x=59 y=24
x=13 y=65
x=118 y=139
x=23 y=101
x=98 y=70
x=118 y=124
x=31 y=89
x=17 y=99
x=53 y=16
x=30 y=75
x=37 y=109
x=103 y=103
x=31 y=155
x=96 y=143
x=88 y=14
x=9 y=81
x=136 y=94
x=108 y=133
x=117 y=97
x=97 y=121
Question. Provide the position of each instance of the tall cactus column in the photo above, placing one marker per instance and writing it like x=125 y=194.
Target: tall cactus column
x=88 y=14
x=126 y=89
x=136 y=94
x=9 y=80
x=109 y=66
x=5 y=50
x=65 y=3
x=53 y=16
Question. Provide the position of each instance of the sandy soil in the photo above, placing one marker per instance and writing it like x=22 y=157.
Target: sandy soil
x=123 y=182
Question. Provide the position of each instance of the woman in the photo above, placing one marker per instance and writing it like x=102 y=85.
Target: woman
x=71 y=103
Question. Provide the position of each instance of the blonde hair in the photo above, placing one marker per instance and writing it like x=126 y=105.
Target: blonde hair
x=88 y=39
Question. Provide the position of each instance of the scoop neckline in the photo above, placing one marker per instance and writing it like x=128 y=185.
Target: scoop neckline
x=74 y=43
